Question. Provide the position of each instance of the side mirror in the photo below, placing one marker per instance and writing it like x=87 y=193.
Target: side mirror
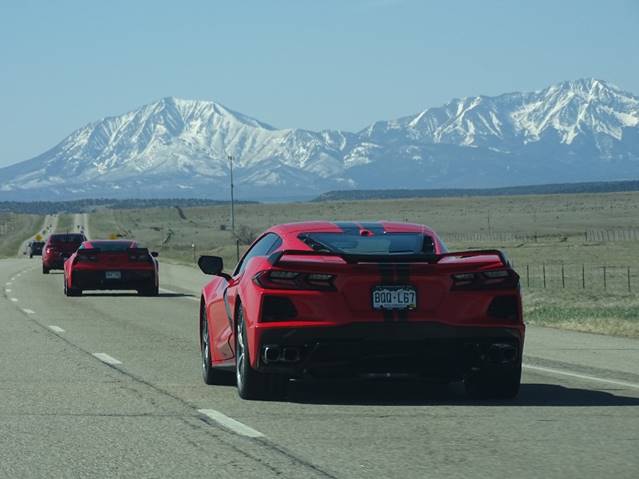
x=155 y=254
x=211 y=265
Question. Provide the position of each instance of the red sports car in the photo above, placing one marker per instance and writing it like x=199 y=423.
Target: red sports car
x=58 y=248
x=371 y=300
x=111 y=265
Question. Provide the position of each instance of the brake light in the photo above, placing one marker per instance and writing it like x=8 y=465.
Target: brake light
x=276 y=279
x=494 y=279
x=85 y=258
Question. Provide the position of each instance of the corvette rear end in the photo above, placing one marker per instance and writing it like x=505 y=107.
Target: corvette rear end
x=442 y=317
x=370 y=300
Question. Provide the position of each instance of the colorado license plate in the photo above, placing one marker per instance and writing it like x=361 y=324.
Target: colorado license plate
x=113 y=275
x=394 y=297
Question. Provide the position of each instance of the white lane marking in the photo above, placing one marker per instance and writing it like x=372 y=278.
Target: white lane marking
x=105 y=358
x=15 y=300
x=56 y=329
x=28 y=311
x=230 y=423
x=581 y=376
x=8 y=283
x=193 y=298
x=8 y=290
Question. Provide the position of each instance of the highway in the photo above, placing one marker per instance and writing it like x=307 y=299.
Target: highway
x=48 y=226
x=109 y=385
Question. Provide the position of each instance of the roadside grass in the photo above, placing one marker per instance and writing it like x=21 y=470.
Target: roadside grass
x=553 y=227
x=14 y=228
x=587 y=311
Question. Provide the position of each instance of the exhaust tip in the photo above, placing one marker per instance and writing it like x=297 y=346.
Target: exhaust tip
x=271 y=354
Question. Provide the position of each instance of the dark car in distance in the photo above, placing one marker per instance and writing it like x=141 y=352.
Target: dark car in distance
x=35 y=248
x=58 y=248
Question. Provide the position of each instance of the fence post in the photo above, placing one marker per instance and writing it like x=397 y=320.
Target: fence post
x=237 y=249
x=543 y=268
x=527 y=276
x=628 y=278
x=604 y=276
x=563 y=277
x=583 y=276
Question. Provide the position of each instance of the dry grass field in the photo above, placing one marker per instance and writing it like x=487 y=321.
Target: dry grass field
x=583 y=233
x=14 y=228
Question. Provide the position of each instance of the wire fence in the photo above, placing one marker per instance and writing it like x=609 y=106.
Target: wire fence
x=612 y=278
x=589 y=236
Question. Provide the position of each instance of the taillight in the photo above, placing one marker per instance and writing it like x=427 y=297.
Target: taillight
x=49 y=250
x=276 y=279
x=495 y=279
x=86 y=258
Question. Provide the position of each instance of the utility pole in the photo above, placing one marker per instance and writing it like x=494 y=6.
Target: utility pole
x=230 y=158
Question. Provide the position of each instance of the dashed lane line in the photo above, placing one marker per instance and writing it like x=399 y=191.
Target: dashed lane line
x=7 y=290
x=105 y=358
x=15 y=300
x=230 y=423
x=56 y=329
x=562 y=372
x=28 y=311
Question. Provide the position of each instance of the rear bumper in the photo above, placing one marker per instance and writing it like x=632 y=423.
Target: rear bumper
x=130 y=279
x=424 y=349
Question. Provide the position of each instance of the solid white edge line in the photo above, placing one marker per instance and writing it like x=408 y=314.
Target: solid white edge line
x=105 y=358
x=28 y=311
x=15 y=300
x=56 y=329
x=230 y=423
x=581 y=376
x=170 y=291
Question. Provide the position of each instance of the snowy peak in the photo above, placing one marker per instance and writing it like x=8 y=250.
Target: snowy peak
x=580 y=130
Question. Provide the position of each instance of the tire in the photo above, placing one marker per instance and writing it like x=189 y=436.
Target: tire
x=252 y=384
x=45 y=270
x=209 y=374
x=496 y=384
x=151 y=290
x=71 y=291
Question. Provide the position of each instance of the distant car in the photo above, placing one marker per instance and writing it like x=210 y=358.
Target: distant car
x=58 y=248
x=368 y=300
x=111 y=265
x=35 y=248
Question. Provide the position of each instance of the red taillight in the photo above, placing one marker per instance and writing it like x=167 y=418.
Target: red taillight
x=277 y=279
x=49 y=250
x=495 y=279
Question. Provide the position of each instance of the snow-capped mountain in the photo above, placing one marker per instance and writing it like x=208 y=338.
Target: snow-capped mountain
x=584 y=130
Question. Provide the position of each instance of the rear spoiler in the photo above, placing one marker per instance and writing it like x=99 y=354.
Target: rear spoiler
x=129 y=251
x=276 y=258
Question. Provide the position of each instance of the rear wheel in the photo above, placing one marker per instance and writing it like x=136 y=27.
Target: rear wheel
x=252 y=384
x=151 y=289
x=71 y=291
x=498 y=384
x=209 y=374
x=45 y=270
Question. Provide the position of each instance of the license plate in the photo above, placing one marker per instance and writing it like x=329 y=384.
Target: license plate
x=394 y=297
x=113 y=275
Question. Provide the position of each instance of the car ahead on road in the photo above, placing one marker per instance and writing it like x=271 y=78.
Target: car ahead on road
x=111 y=265
x=370 y=300
x=35 y=248
x=58 y=248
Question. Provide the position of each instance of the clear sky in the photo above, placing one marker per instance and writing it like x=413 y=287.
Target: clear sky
x=293 y=63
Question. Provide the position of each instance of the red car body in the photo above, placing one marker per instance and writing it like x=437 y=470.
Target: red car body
x=322 y=299
x=111 y=265
x=58 y=248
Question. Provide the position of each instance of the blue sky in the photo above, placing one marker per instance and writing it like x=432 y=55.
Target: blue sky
x=293 y=63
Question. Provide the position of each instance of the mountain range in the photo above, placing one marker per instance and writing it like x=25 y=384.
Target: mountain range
x=574 y=131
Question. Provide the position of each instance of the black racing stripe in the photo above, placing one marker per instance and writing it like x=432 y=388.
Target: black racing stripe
x=348 y=227
x=402 y=274
x=376 y=228
x=387 y=276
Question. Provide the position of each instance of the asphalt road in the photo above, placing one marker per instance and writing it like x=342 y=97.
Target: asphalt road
x=139 y=408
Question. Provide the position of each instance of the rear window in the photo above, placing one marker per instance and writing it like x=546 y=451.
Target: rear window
x=387 y=243
x=66 y=238
x=112 y=246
